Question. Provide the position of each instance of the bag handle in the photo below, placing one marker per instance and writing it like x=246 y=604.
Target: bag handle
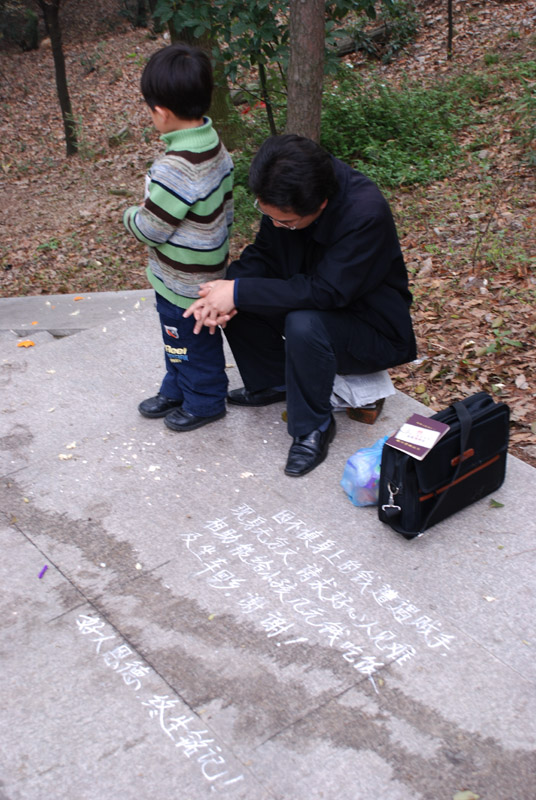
x=466 y=422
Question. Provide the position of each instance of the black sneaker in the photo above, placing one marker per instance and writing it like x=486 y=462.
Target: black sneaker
x=158 y=406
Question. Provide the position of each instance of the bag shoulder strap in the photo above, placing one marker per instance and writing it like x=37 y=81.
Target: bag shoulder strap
x=466 y=422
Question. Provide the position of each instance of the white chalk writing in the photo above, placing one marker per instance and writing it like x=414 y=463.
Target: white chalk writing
x=194 y=743
x=315 y=583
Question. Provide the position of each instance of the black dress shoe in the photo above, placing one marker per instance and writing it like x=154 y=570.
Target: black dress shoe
x=264 y=397
x=181 y=420
x=307 y=452
x=158 y=406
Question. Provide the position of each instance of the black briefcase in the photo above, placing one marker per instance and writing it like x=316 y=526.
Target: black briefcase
x=468 y=463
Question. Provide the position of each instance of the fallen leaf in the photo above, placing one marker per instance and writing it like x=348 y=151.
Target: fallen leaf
x=496 y=504
x=35 y=323
x=79 y=297
x=26 y=343
x=466 y=795
x=489 y=598
x=65 y=456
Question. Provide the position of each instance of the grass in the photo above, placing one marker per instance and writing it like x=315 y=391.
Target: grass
x=408 y=135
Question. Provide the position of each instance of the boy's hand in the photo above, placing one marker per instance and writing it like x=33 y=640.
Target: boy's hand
x=215 y=305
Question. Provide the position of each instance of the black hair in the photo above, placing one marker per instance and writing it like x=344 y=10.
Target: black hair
x=179 y=78
x=294 y=173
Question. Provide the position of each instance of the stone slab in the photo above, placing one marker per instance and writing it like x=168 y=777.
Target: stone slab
x=65 y=314
x=324 y=655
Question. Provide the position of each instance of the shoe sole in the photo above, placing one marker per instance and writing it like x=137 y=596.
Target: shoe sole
x=193 y=427
x=314 y=466
x=159 y=414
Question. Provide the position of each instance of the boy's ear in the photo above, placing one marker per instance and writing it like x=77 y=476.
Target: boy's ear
x=162 y=112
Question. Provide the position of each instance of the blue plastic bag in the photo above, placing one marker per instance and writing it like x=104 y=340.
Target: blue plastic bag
x=362 y=473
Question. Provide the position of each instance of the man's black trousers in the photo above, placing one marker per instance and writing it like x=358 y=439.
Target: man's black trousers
x=304 y=350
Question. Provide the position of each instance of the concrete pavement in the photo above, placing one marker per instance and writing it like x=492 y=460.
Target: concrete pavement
x=207 y=626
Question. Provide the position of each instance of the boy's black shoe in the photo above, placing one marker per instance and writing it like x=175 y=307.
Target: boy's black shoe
x=307 y=452
x=264 y=397
x=181 y=420
x=158 y=406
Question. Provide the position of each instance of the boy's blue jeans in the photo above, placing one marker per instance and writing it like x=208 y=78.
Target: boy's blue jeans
x=195 y=364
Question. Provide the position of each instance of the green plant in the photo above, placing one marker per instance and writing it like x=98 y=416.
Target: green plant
x=396 y=136
x=137 y=12
x=52 y=244
x=73 y=242
x=119 y=136
x=90 y=62
x=19 y=24
x=525 y=123
x=246 y=216
x=506 y=256
x=502 y=341
x=402 y=23
x=137 y=58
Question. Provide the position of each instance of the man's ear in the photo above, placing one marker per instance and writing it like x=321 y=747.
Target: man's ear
x=323 y=204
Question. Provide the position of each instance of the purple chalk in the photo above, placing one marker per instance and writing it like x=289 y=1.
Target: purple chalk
x=43 y=571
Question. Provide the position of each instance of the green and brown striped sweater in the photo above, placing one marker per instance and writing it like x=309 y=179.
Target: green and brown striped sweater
x=187 y=214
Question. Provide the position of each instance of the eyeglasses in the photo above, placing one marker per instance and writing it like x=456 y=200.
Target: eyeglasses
x=272 y=219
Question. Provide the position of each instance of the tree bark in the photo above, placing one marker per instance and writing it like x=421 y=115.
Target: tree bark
x=450 y=33
x=306 y=67
x=51 y=16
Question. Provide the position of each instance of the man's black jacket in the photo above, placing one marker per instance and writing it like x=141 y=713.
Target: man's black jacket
x=349 y=259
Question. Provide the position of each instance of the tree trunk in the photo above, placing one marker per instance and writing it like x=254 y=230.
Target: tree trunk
x=306 y=67
x=51 y=16
x=266 y=99
x=450 y=33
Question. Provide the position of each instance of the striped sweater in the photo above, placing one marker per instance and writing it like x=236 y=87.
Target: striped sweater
x=187 y=214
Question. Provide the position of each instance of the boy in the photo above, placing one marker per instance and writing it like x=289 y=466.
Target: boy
x=185 y=221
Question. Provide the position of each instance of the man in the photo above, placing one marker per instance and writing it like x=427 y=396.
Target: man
x=322 y=290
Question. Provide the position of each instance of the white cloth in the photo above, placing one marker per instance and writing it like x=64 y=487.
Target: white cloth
x=356 y=391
